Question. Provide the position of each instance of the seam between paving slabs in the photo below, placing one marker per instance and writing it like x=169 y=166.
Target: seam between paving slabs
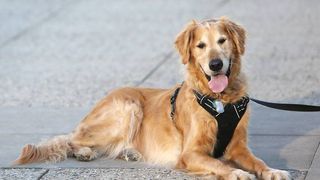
x=37 y=24
x=314 y=155
x=223 y=3
x=43 y=174
x=158 y=65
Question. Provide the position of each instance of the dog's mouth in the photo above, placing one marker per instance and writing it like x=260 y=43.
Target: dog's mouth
x=218 y=82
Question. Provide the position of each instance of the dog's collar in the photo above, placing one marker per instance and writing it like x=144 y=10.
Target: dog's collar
x=227 y=120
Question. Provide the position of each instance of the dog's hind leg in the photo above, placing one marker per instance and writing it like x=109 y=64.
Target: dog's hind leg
x=108 y=130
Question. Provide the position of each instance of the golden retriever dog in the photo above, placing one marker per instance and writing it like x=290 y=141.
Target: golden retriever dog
x=142 y=124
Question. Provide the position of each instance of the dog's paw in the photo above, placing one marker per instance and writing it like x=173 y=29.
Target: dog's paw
x=275 y=174
x=130 y=154
x=85 y=154
x=239 y=174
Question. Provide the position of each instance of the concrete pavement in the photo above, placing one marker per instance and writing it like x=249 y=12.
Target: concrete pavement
x=58 y=58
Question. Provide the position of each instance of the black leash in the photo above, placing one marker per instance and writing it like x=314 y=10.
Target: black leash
x=288 y=107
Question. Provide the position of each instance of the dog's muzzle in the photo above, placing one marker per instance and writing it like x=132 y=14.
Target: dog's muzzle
x=218 y=82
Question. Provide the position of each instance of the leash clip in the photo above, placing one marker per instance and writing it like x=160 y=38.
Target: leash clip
x=219 y=106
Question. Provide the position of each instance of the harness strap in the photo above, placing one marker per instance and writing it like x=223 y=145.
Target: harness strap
x=173 y=101
x=227 y=121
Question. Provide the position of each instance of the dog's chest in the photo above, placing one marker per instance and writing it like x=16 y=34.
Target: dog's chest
x=226 y=121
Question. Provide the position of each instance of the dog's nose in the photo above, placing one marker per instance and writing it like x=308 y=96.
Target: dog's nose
x=216 y=64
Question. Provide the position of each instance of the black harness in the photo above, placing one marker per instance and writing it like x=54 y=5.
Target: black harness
x=227 y=121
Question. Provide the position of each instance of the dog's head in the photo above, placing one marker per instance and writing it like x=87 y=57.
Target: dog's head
x=211 y=50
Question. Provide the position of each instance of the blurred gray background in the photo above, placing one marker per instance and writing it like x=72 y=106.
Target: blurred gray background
x=59 y=57
x=70 y=53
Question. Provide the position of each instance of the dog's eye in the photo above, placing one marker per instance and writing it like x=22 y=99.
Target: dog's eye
x=221 y=40
x=201 y=45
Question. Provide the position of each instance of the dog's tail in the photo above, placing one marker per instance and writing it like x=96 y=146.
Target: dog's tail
x=56 y=149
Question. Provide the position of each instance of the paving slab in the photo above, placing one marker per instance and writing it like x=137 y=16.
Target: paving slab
x=109 y=173
x=285 y=152
x=172 y=72
x=112 y=173
x=20 y=17
x=21 y=174
x=74 y=58
x=266 y=121
x=314 y=171
x=98 y=163
x=40 y=120
x=136 y=173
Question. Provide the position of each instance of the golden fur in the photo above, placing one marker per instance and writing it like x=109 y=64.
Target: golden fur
x=135 y=123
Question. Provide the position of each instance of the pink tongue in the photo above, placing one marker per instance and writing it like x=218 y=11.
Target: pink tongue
x=218 y=83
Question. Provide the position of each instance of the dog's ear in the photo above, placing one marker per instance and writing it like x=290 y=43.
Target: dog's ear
x=184 y=40
x=236 y=32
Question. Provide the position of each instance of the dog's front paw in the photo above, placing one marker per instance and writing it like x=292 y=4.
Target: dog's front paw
x=85 y=154
x=275 y=174
x=239 y=174
x=130 y=154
